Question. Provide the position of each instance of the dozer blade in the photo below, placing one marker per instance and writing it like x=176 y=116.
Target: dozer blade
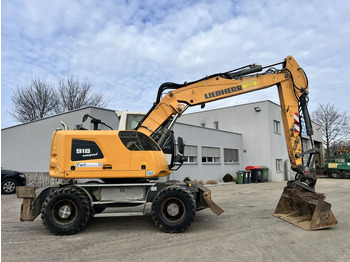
x=205 y=193
x=303 y=207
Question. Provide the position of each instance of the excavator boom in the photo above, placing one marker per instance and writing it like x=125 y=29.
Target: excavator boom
x=290 y=81
x=299 y=202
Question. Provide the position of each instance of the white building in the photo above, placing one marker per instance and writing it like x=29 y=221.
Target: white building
x=263 y=140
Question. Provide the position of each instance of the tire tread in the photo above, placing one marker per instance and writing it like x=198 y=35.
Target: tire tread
x=186 y=196
x=82 y=218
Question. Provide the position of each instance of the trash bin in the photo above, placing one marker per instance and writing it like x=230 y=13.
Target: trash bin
x=245 y=177
x=248 y=175
x=239 y=177
x=256 y=173
x=265 y=173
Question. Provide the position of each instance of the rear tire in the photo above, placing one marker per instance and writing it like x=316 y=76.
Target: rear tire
x=173 y=209
x=65 y=211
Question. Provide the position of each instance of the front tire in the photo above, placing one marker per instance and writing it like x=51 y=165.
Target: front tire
x=65 y=211
x=173 y=209
x=335 y=174
x=8 y=186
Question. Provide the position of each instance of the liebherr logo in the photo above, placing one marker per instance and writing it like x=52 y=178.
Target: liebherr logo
x=223 y=92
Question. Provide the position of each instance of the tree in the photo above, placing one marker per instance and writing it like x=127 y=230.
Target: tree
x=35 y=101
x=346 y=145
x=335 y=124
x=76 y=94
x=39 y=99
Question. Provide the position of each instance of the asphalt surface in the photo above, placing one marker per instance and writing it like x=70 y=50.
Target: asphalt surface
x=246 y=231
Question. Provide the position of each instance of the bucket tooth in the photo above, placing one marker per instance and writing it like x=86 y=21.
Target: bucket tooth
x=304 y=208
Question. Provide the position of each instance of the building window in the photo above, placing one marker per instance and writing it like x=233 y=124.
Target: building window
x=210 y=155
x=216 y=125
x=277 y=127
x=190 y=154
x=279 y=165
x=231 y=155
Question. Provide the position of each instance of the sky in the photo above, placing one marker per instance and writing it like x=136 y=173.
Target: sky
x=127 y=49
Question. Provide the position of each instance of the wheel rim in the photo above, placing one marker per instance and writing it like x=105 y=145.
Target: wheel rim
x=65 y=211
x=335 y=174
x=173 y=210
x=9 y=186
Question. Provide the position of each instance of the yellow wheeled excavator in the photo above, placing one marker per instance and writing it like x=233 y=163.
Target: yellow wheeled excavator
x=129 y=162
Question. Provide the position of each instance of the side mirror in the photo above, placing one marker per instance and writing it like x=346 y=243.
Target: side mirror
x=180 y=145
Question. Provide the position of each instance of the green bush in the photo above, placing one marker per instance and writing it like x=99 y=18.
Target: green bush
x=227 y=178
x=187 y=179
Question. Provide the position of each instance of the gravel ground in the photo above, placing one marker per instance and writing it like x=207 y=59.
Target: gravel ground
x=246 y=231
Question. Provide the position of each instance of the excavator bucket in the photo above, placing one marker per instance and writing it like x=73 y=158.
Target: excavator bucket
x=301 y=206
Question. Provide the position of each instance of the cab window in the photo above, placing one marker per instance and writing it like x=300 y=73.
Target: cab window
x=137 y=141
